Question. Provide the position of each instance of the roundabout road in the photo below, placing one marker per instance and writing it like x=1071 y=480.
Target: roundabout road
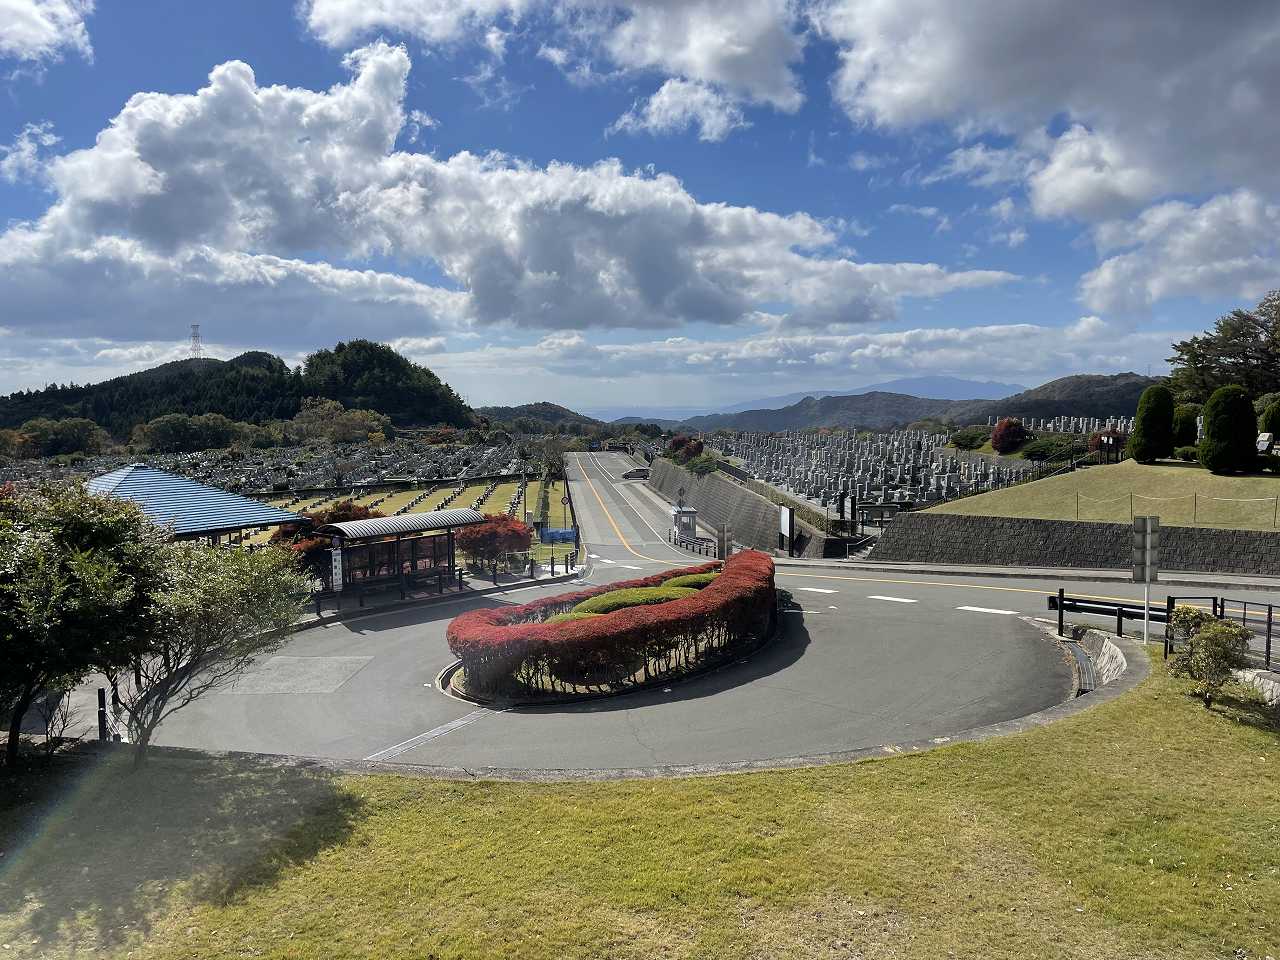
x=868 y=660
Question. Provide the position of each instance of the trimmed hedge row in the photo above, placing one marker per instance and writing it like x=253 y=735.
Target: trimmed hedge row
x=632 y=597
x=514 y=650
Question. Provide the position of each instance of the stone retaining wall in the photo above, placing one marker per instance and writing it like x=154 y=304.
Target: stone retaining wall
x=719 y=500
x=1006 y=541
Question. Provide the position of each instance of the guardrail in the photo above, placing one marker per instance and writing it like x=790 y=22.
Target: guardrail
x=1254 y=615
x=701 y=545
x=1120 y=610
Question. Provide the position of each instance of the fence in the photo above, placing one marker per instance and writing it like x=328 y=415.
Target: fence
x=703 y=546
x=1191 y=509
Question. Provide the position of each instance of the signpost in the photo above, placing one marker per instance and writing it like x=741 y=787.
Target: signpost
x=1146 y=564
x=564 y=511
x=336 y=572
x=786 y=528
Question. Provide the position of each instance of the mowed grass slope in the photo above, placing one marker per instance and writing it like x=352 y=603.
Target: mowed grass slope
x=1148 y=827
x=1166 y=490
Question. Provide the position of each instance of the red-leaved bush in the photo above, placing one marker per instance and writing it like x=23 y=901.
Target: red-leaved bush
x=512 y=650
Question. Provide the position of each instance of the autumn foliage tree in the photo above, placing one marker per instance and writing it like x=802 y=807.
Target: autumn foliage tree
x=1008 y=436
x=314 y=551
x=494 y=539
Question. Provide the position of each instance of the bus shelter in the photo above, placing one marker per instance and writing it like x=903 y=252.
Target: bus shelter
x=405 y=552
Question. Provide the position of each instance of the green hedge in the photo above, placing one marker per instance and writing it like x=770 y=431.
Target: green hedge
x=570 y=616
x=695 y=580
x=632 y=597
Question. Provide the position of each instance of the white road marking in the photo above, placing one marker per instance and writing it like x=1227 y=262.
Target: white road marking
x=816 y=590
x=594 y=556
x=430 y=735
x=1007 y=613
x=627 y=566
x=606 y=560
x=892 y=599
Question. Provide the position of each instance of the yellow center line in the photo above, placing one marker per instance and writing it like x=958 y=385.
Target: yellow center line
x=609 y=516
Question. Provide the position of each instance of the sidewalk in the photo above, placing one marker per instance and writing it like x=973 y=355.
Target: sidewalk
x=385 y=600
x=1223 y=581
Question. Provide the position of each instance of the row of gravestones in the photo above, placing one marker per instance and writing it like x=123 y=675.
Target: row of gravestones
x=1077 y=425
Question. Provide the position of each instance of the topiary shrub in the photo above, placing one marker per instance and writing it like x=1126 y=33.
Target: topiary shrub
x=695 y=580
x=1152 y=436
x=1228 y=442
x=634 y=597
x=970 y=438
x=1186 y=427
x=1212 y=652
x=1189 y=454
x=1008 y=435
x=569 y=617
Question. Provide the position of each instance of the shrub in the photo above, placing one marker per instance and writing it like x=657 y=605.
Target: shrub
x=1186 y=428
x=498 y=536
x=1228 y=441
x=1152 y=436
x=634 y=597
x=695 y=580
x=1211 y=653
x=703 y=464
x=511 y=650
x=1008 y=435
x=1271 y=420
x=1189 y=454
x=1047 y=448
x=970 y=438
x=570 y=617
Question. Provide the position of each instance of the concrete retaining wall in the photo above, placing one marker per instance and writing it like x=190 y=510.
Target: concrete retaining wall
x=1108 y=660
x=1003 y=541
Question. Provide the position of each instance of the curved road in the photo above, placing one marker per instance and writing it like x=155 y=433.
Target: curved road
x=876 y=659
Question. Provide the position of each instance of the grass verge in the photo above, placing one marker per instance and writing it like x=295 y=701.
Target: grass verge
x=1148 y=827
x=1181 y=494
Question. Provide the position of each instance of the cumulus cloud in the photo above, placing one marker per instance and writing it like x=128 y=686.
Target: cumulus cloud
x=42 y=30
x=735 y=51
x=1158 y=95
x=21 y=160
x=1227 y=246
x=679 y=105
x=243 y=205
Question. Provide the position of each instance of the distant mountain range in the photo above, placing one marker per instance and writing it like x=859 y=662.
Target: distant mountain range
x=1085 y=395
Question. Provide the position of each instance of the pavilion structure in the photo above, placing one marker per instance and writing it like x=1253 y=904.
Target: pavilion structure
x=403 y=552
x=190 y=509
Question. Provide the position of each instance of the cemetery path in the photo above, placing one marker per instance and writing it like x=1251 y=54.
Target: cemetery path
x=868 y=660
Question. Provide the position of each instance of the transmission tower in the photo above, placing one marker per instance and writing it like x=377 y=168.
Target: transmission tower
x=196 y=351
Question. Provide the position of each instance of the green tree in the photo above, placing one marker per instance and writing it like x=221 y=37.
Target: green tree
x=219 y=611
x=1152 y=436
x=1186 y=427
x=1213 y=650
x=49 y=438
x=1243 y=348
x=1228 y=443
x=79 y=576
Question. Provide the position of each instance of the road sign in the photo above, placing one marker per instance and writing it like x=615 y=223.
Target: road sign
x=336 y=571
x=1146 y=549
x=564 y=501
x=1146 y=564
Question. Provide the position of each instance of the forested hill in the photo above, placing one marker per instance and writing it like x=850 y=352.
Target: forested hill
x=537 y=416
x=254 y=387
x=1082 y=395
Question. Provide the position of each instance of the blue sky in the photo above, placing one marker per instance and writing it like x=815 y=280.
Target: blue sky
x=641 y=202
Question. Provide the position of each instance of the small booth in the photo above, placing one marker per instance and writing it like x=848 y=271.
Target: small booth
x=684 y=522
x=403 y=552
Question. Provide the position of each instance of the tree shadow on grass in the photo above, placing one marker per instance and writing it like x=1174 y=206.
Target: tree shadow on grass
x=1244 y=705
x=92 y=850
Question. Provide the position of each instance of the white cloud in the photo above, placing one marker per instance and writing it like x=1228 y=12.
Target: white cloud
x=21 y=159
x=942 y=223
x=743 y=50
x=1159 y=95
x=234 y=204
x=1227 y=246
x=863 y=162
x=41 y=30
x=679 y=105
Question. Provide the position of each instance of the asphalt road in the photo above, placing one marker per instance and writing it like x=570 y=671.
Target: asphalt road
x=870 y=659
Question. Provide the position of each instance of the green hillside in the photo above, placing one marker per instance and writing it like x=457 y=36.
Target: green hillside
x=1180 y=494
x=254 y=387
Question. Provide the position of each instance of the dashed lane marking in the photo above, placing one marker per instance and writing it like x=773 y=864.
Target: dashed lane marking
x=816 y=590
x=606 y=560
x=627 y=566
x=432 y=734
x=891 y=599
x=1007 y=613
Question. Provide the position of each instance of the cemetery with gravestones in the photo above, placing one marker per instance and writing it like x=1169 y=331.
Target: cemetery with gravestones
x=842 y=471
x=1080 y=426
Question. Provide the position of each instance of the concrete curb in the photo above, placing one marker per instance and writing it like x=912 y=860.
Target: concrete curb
x=1188 y=578
x=325 y=620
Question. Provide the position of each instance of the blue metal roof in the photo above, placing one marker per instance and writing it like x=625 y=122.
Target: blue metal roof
x=184 y=505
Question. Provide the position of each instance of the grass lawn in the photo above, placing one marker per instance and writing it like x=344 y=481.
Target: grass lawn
x=1149 y=827
x=1167 y=490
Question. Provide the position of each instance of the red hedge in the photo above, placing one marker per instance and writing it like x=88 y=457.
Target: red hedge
x=511 y=649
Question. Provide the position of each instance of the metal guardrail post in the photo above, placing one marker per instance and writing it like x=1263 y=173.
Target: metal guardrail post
x=1270 y=611
x=1119 y=621
x=1168 y=626
x=102 y=714
x=1061 y=611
